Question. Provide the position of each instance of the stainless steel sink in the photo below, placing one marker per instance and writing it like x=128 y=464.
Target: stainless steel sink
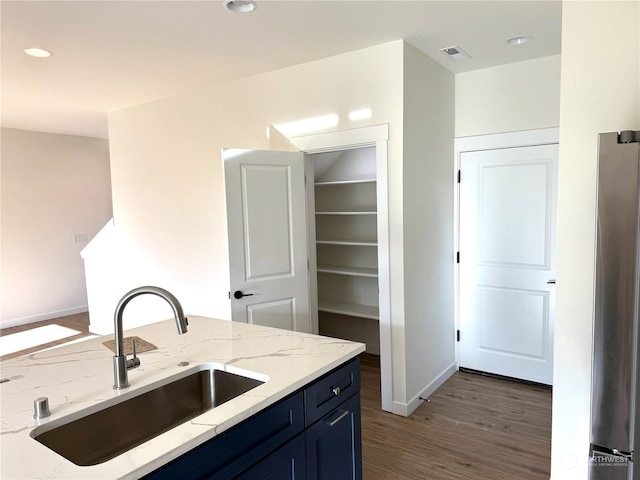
x=101 y=434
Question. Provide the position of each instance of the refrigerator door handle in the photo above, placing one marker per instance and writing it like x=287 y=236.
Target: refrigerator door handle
x=599 y=449
x=627 y=455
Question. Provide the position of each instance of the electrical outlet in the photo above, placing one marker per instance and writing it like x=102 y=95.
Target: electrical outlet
x=80 y=238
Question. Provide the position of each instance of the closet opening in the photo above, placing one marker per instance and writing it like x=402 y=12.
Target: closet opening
x=348 y=240
x=345 y=220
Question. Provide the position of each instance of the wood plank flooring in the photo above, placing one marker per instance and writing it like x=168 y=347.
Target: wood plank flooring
x=79 y=321
x=474 y=427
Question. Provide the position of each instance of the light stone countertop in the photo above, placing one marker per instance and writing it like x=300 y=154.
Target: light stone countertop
x=80 y=375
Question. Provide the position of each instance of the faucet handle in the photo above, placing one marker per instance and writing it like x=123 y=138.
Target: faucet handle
x=133 y=362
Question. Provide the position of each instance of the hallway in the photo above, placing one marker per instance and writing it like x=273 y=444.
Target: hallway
x=474 y=427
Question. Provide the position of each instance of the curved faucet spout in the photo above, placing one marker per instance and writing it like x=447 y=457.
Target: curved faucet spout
x=120 y=363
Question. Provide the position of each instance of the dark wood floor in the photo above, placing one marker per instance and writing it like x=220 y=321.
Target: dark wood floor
x=474 y=427
x=78 y=322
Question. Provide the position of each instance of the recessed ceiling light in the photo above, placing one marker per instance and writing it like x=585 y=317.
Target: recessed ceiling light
x=518 y=40
x=455 y=53
x=37 y=52
x=240 y=6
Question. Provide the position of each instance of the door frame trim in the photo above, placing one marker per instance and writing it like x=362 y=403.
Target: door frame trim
x=373 y=136
x=523 y=138
x=341 y=140
x=475 y=143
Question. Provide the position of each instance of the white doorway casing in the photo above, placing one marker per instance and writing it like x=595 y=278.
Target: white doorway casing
x=505 y=300
x=272 y=264
x=376 y=136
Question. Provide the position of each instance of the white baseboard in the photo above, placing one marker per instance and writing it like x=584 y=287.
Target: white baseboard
x=14 y=322
x=406 y=409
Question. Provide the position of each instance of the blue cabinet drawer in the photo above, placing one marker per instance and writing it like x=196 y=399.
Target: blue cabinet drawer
x=329 y=391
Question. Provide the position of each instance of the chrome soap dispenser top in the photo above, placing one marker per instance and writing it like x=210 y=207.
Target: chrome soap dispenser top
x=120 y=363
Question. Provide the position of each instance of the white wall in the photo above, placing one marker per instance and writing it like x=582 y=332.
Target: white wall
x=168 y=186
x=428 y=185
x=168 y=190
x=53 y=186
x=600 y=92
x=513 y=97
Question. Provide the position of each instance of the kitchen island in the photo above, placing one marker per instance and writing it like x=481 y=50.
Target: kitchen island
x=80 y=376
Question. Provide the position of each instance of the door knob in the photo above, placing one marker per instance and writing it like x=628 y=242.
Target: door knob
x=551 y=282
x=238 y=294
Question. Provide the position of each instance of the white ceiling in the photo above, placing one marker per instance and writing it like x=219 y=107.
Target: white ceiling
x=109 y=55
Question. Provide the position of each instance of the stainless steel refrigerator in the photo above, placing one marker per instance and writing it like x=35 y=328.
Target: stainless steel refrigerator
x=615 y=413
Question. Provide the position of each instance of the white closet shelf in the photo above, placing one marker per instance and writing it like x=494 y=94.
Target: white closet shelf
x=353 y=271
x=351 y=309
x=354 y=212
x=359 y=243
x=345 y=182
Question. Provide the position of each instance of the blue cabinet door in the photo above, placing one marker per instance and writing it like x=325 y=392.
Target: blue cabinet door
x=286 y=463
x=334 y=444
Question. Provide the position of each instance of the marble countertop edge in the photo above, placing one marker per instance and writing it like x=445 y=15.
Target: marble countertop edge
x=80 y=377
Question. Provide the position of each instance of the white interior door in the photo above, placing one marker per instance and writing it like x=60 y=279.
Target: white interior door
x=266 y=221
x=507 y=261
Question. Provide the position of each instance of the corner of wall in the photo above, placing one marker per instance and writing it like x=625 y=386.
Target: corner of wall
x=591 y=102
x=428 y=186
x=53 y=187
x=405 y=409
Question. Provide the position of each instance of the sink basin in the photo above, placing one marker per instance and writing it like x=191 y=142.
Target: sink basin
x=105 y=432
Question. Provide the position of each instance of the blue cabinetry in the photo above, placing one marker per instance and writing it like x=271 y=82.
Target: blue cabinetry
x=286 y=463
x=334 y=444
x=314 y=434
x=332 y=420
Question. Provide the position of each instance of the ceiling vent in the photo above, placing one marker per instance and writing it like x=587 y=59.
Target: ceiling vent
x=455 y=53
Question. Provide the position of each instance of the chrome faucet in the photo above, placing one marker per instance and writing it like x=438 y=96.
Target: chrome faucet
x=120 y=363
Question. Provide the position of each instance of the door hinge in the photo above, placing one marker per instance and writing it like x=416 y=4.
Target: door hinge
x=457 y=335
x=457 y=257
x=459 y=175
